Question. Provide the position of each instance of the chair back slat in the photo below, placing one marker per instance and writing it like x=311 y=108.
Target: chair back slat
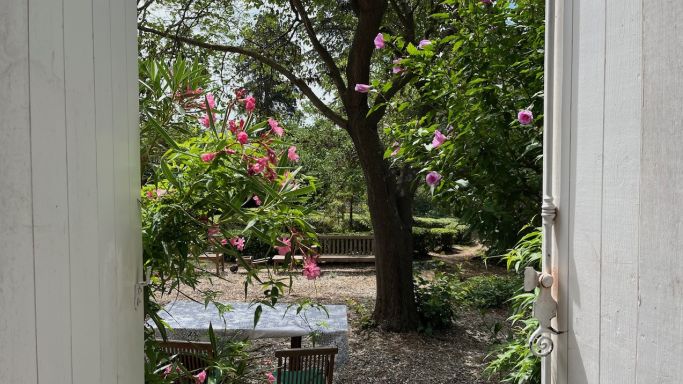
x=194 y=356
x=305 y=365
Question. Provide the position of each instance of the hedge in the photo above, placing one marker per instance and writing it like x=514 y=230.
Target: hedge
x=427 y=240
x=428 y=222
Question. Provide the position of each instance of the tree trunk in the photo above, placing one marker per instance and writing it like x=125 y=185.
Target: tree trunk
x=390 y=205
x=351 y=214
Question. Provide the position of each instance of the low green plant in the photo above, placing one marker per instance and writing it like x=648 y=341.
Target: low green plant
x=512 y=360
x=364 y=314
x=488 y=291
x=436 y=301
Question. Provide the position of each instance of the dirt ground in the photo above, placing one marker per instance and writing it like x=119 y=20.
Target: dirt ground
x=453 y=356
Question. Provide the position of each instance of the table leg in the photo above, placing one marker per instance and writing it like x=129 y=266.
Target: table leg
x=296 y=342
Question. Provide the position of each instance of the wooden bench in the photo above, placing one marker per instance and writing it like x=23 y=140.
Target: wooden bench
x=342 y=249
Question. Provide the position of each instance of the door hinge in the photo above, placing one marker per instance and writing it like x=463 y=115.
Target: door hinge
x=544 y=310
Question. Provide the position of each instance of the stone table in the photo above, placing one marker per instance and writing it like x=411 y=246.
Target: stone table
x=190 y=321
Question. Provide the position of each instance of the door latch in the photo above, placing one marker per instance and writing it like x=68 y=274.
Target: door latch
x=544 y=310
x=140 y=287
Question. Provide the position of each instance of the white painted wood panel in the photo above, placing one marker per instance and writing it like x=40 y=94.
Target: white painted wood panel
x=121 y=180
x=564 y=99
x=17 y=295
x=81 y=146
x=660 y=321
x=69 y=182
x=50 y=193
x=133 y=265
x=105 y=191
x=583 y=280
x=624 y=265
x=620 y=192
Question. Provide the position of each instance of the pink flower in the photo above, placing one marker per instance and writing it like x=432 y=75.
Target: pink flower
x=363 y=88
x=257 y=200
x=487 y=2
x=257 y=168
x=242 y=137
x=205 y=121
x=213 y=231
x=397 y=68
x=211 y=99
x=240 y=92
x=150 y=194
x=311 y=269
x=233 y=126
x=224 y=242
x=439 y=138
x=249 y=103
x=286 y=248
x=433 y=178
x=397 y=148
x=237 y=242
x=424 y=43
x=379 y=41
x=229 y=151
x=161 y=192
x=200 y=377
x=207 y=157
x=270 y=377
x=525 y=117
x=275 y=127
x=168 y=370
x=291 y=154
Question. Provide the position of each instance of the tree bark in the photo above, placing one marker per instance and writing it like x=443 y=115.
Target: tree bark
x=391 y=215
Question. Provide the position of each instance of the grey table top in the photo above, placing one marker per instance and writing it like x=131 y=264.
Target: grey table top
x=191 y=319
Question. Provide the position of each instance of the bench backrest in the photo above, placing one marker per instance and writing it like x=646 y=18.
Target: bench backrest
x=347 y=244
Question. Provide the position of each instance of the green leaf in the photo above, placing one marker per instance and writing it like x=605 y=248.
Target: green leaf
x=161 y=131
x=257 y=315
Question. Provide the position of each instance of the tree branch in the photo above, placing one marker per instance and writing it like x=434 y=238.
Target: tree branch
x=299 y=83
x=385 y=97
x=370 y=15
x=322 y=51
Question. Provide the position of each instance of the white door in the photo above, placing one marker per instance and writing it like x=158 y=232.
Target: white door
x=618 y=183
x=70 y=247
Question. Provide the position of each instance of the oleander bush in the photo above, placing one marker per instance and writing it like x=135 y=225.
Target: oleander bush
x=212 y=180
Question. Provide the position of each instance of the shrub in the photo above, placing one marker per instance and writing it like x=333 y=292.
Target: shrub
x=490 y=291
x=361 y=223
x=429 y=222
x=436 y=301
x=427 y=240
x=324 y=223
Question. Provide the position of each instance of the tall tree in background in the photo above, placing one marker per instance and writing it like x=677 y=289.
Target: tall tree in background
x=335 y=38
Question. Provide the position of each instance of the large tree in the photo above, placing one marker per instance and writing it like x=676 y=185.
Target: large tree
x=335 y=39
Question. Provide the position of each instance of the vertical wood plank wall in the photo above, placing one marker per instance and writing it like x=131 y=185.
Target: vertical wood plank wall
x=70 y=247
x=621 y=294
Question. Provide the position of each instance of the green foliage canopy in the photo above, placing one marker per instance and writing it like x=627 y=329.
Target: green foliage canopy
x=469 y=85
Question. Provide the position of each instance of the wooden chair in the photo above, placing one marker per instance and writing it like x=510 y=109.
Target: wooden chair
x=194 y=356
x=216 y=258
x=305 y=365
